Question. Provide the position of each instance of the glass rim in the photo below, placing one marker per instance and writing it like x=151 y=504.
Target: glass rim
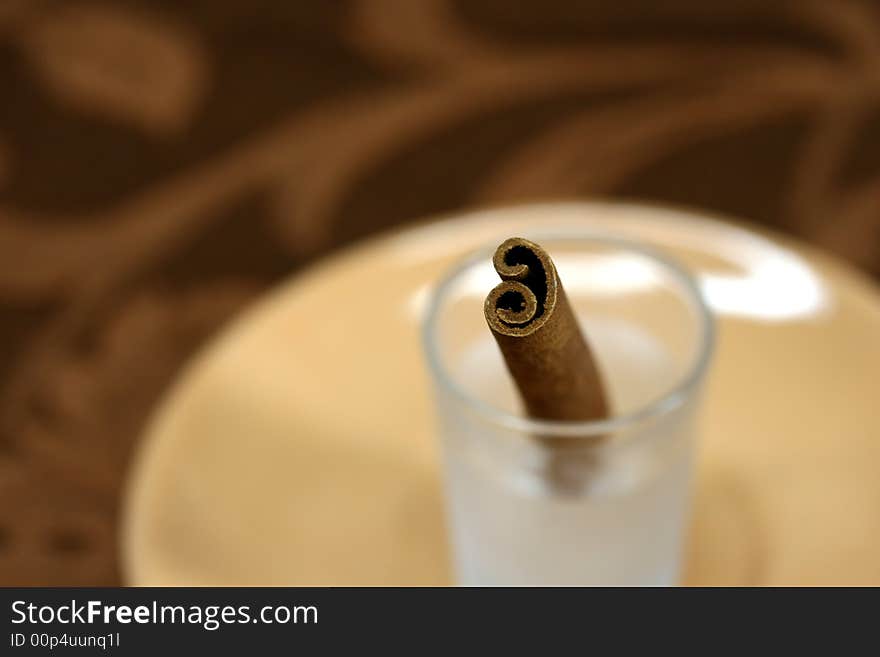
x=671 y=399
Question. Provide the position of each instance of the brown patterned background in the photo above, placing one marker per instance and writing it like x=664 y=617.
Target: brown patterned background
x=163 y=162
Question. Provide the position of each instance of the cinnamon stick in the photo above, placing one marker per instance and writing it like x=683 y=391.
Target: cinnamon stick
x=545 y=352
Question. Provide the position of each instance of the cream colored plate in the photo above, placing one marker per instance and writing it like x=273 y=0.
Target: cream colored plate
x=298 y=449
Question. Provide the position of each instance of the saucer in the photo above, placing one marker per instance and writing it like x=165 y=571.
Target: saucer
x=298 y=447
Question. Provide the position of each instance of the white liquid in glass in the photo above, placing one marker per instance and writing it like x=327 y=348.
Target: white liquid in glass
x=509 y=529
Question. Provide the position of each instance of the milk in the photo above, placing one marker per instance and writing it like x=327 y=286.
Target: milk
x=626 y=526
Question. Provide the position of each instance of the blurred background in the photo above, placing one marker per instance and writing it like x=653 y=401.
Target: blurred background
x=162 y=163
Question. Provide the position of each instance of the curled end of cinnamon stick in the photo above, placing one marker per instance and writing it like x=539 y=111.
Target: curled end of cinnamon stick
x=526 y=298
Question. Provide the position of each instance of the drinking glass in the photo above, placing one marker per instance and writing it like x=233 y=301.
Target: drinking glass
x=624 y=519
